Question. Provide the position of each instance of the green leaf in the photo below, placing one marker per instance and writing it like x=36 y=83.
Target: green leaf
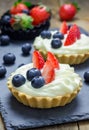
x=28 y=4
x=18 y=1
x=76 y=5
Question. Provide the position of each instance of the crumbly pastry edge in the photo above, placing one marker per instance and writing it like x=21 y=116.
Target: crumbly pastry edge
x=71 y=59
x=42 y=102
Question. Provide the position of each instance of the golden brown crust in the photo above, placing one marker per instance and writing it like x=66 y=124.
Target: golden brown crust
x=42 y=102
x=68 y=59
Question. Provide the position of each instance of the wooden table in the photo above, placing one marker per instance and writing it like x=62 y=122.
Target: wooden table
x=81 y=19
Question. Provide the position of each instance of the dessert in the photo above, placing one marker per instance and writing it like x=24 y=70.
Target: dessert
x=25 y=21
x=44 y=84
x=68 y=44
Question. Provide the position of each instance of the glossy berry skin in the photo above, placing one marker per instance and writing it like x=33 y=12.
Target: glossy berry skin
x=6 y=19
x=86 y=76
x=2 y=71
x=58 y=35
x=18 y=80
x=38 y=82
x=4 y=40
x=56 y=43
x=67 y=12
x=46 y=34
x=33 y=73
x=21 y=65
x=26 y=48
x=25 y=11
x=9 y=58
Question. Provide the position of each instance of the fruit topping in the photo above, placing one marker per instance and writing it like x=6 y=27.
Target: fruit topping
x=67 y=11
x=21 y=65
x=86 y=76
x=18 y=8
x=18 y=80
x=64 y=28
x=56 y=43
x=73 y=35
x=37 y=82
x=39 y=14
x=6 y=19
x=4 y=40
x=46 y=34
x=21 y=21
x=26 y=48
x=33 y=73
x=9 y=58
x=38 y=60
x=2 y=71
x=25 y=11
x=58 y=35
x=53 y=60
x=48 y=72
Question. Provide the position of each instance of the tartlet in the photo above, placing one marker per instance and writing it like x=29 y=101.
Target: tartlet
x=59 y=92
x=70 y=53
x=23 y=34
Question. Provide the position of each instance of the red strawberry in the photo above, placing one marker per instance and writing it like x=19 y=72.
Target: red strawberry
x=67 y=11
x=72 y=36
x=39 y=14
x=48 y=72
x=53 y=60
x=38 y=61
x=18 y=8
x=64 y=28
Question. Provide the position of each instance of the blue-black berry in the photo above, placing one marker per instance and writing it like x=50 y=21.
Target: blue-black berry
x=9 y=58
x=32 y=73
x=58 y=35
x=38 y=82
x=86 y=76
x=21 y=65
x=26 y=48
x=4 y=40
x=6 y=19
x=56 y=43
x=46 y=34
x=2 y=71
x=25 y=11
x=18 y=80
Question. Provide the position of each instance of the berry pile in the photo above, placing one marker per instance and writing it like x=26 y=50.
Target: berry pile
x=43 y=72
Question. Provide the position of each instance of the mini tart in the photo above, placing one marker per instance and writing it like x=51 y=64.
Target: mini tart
x=28 y=34
x=43 y=101
x=65 y=54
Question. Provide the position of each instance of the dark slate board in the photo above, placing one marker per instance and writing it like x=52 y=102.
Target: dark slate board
x=17 y=116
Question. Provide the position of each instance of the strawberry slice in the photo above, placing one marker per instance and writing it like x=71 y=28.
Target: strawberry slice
x=51 y=57
x=38 y=61
x=71 y=37
x=77 y=31
x=48 y=72
x=64 y=28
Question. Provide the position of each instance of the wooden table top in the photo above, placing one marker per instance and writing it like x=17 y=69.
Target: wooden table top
x=81 y=19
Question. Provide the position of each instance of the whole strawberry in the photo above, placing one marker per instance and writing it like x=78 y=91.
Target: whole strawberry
x=39 y=14
x=68 y=11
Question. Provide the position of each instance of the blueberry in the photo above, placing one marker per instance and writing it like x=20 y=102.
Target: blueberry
x=25 y=11
x=32 y=73
x=18 y=80
x=86 y=76
x=9 y=58
x=58 y=35
x=6 y=19
x=46 y=34
x=4 y=40
x=26 y=48
x=56 y=43
x=37 y=82
x=2 y=71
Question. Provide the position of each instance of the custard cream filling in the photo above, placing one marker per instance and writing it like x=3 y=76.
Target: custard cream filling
x=81 y=46
x=66 y=81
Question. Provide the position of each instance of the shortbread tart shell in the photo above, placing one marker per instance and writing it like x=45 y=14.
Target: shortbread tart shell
x=42 y=102
x=71 y=59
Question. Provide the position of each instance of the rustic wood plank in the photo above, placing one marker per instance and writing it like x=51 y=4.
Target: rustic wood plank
x=83 y=125
x=1 y=124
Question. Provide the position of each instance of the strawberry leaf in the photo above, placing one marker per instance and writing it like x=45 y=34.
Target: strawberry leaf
x=76 y=5
x=28 y=4
x=18 y=1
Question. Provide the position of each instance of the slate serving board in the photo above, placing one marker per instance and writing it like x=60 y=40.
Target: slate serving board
x=17 y=116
